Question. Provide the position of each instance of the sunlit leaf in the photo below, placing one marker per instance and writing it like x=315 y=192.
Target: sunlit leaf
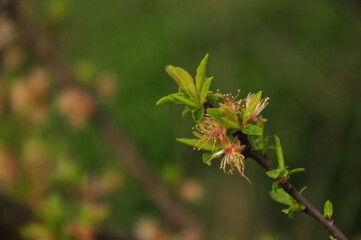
x=201 y=74
x=184 y=80
x=178 y=98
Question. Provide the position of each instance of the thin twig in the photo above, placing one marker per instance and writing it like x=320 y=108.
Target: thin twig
x=130 y=157
x=310 y=209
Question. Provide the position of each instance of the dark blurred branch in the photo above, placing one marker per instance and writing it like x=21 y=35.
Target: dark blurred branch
x=13 y=215
x=310 y=209
x=124 y=148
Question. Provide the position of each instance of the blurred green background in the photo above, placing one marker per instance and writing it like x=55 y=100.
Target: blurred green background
x=306 y=56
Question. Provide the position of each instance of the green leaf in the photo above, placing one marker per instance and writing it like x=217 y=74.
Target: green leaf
x=297 y=170
x=251 y=129
x=186 y=112
x=184 y=80
x=228 y=123
x=197 y=143
x=221 y=118
x=230 y=113
x=178 y=98
x=332 y=238
x=251 y=107
x=301 y=207
x=282 y=197
x=274 y=173
x=201 y=73
x=275 y=186
x=164 y=99
x=213 y=98
x=259 y=143
x=207 y=158
x=197 y=114
x=328 y=209
x=286 y=210
x=279 y=151
x=205 y=90
x=197 y=134
x=303 y=189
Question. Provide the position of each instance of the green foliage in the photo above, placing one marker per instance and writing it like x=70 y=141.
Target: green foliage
x=184 y=80
x=328 y=209
x=207 y=158
x=197 y=114
x=279 y=151
x=280 y=196
x=202 y=81
x=178 y=98
x=282 y=173
x=196 y=143
x=276 y=173
x=191 y=93
x=224 y=116
x=251 y=129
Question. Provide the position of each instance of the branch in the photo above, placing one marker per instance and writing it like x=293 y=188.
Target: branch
x=310 y=209
x=126 y=151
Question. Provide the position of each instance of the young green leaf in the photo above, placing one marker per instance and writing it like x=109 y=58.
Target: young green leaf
x=197 y=134
x=207 y=158
x=201 y=73
x=184 y=80
x=197 y=114
x=303 y=189
x=221 y=118
x=204 y=145
x=282 y=197
x=178 y=98
x=228 y=123
x=251 y=107
x=230 y=113
x=274 y=173
x=186 y=112
x=328 y=209
x=297 y=170
x=279 y=152
x=205 y=90
x=251 y=129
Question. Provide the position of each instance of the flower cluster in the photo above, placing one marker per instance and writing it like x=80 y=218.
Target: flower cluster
x=220 y=118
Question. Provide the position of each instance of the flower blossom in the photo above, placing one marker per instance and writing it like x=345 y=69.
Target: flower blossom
x=233 y=157
x=259 y=108
x=211 y=131
x=232 y=102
